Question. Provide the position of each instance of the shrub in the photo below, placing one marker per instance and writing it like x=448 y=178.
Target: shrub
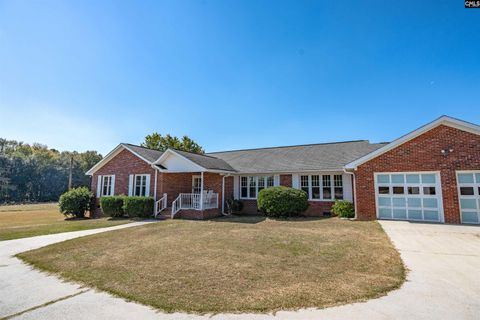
x=138 y=206
x=234 y=205
x=282 y=201
x=76 y=202
x=112 y=206
x=344 y=209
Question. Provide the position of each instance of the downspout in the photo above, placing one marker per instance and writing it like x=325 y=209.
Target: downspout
x=354 y=190
x=201 y=192
x=155 y=187
x=223 y=194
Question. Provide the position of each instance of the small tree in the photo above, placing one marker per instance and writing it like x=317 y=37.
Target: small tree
x=282 y=202
x=75 y=202
x=158 y=142
x=343 y=209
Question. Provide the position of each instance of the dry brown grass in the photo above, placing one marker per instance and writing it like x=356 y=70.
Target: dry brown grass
x=233 y=264
x=21 y=221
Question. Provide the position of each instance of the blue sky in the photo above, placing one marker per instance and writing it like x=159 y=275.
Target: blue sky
x=79 y=75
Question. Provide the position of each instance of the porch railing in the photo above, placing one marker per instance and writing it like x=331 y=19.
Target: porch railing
x=160 y=205
x=192 y=201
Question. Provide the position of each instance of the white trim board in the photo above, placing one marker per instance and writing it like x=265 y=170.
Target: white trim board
x=443 y=120
x=183 y=165
x=187 y=165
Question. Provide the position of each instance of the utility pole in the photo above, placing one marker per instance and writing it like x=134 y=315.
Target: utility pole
x=70 y=173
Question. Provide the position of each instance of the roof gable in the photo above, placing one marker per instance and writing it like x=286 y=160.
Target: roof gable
x=443 y=120
x=182 y=161
x=147 y=155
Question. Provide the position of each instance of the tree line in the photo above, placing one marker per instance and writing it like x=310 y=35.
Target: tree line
x=35 y=173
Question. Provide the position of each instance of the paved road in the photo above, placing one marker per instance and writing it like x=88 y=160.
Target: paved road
x=444 y=283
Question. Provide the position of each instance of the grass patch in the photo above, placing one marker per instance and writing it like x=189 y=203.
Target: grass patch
x=22 y=221
x=244 y=264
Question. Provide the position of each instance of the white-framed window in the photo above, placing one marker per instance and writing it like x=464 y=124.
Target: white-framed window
x=107 y=185
x=196 y=184
x=250 y=186
x=338 y=186
x=140 y=185
x=325 y=187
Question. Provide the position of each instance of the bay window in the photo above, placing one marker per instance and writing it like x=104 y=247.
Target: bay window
x=250 y=186
x=322 y=187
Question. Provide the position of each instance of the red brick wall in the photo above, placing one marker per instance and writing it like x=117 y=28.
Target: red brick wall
x=199 y=215
x=318 y=208
x=122 y=165
x=422 y=154
x=173 y=184
x=249 y=206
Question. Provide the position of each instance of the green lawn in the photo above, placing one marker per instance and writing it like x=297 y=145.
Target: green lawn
x=232 y=264
x=21 y=221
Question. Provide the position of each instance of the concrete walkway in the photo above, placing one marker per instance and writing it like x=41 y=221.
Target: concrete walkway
x=444 y=283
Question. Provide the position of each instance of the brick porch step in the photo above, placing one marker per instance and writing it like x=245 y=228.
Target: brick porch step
x=165 y=214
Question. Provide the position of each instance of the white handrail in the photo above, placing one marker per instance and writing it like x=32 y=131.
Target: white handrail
x=192 y=201
x=160 y=205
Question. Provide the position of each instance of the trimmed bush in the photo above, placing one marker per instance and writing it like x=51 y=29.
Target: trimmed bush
x=138 y=206
x=75 y=202
x=112 y=206
x=344 y=209
x=282 y=202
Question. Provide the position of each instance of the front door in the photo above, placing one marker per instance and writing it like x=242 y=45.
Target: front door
x=196 y=184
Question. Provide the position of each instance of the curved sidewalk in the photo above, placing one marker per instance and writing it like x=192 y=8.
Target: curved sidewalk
x=443 y=283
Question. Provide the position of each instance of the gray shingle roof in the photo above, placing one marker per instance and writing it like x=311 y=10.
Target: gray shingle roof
x=314 y=157
x=149 y=154
x=206 y=161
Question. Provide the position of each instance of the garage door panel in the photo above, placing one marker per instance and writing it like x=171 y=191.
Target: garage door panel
x=385 y=201
x=431 y=215
x=414 y=202
x=385 y=213
x=414 y=214
x=409 y=196
x=399 y=214
x=469 y=196
x=469 y=217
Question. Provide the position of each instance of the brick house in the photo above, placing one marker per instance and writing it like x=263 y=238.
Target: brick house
x=431 y=174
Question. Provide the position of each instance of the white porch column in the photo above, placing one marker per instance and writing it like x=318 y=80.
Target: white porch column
x=201 y=191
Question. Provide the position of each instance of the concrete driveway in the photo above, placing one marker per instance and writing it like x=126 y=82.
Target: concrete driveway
x=444 y=283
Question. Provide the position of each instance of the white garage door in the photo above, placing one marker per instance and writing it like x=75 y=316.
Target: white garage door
x=409 y=196
x=469 y=195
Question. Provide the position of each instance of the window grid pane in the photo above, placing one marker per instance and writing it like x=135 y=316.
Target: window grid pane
x=270 y=181
x=107 y=180
x=253 y=187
